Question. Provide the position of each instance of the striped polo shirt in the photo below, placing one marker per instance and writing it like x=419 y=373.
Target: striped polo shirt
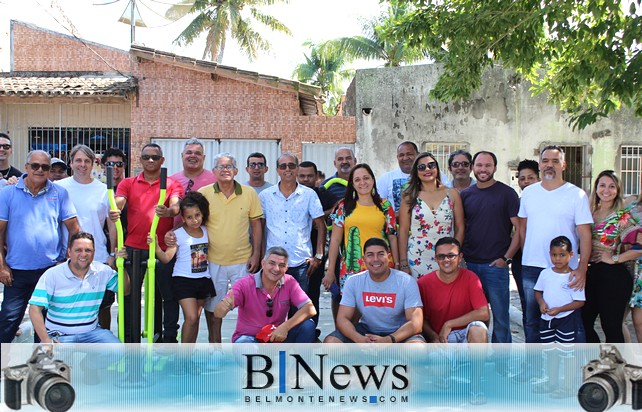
x=73 y=303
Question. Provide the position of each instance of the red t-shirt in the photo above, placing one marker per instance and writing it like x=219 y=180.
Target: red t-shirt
x=142 y=198
x=445 y=301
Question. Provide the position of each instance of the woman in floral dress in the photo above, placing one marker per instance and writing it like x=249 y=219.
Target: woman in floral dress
x=635 y=238
x=608 y=282
x=361 y=214
x=428 y=212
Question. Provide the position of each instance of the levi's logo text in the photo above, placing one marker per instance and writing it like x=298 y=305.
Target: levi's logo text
x=382 y=300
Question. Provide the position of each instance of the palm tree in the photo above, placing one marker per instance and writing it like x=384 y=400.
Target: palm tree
x=324 y=67
x=223 y=19
x=375 y=44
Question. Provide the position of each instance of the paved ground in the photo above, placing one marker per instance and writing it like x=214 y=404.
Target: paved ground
x=326 y=323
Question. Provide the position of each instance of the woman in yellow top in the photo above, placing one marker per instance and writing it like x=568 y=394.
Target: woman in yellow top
x=361 y=214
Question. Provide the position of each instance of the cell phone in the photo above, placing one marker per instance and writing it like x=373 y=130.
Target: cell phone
x=334 y=289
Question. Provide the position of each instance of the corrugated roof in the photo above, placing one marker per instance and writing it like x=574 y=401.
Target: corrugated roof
x=309 y=95
x=66 y=84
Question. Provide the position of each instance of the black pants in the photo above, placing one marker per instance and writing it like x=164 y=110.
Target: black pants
x=165 y=307
x=608 y=290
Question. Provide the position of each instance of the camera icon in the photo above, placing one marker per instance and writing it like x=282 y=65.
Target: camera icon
x=42 y=380
x=609 y=381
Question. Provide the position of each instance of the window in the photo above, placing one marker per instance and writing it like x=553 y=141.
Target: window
x=442 y=152
x=631 y=169
x=58 y=141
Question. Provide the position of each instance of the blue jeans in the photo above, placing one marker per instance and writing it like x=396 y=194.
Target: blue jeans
x=15 y=301
x=495 y=281
x=98 y=356
x=530 y=274
x=300 y=273
x=304 y=332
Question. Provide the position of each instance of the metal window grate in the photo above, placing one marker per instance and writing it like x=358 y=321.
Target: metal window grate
x=442 y=152
x=631 y=169
x=59 y=141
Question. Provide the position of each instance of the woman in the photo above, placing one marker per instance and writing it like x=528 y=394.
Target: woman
x=635 y=208
x=428 y=212
x=361 y=214
x=608 y=282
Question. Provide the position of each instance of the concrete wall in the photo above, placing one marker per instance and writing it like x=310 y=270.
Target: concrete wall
x=501 y=117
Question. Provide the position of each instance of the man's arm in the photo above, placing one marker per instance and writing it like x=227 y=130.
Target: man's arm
x=577 y=278
x=225 y=305
x=257 y=245
x=321 y=229
x=73 y=227
x=346 y=327
x=481 y=314
x=522 y=231
x=6 y=277
x=304 y=313
x=512 y=248
x=38 y=322
x=429 y=333
x=113 y=241
x=169 y=211
x=114 y=215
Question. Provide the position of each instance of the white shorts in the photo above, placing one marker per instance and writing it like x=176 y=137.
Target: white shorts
x=461 y=335
x=223 y=277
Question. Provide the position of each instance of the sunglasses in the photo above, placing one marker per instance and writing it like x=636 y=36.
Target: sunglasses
x=36 y=166
x=449 y=256
x=5 y=146
x=115 y=164
x=423 y=166
x=460 y=164
x=155 y=158
x=269 y=303
x=290 y=166
x=190 y=184
x=256 y=165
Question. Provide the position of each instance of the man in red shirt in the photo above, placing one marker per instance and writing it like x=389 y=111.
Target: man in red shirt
x=140 y=194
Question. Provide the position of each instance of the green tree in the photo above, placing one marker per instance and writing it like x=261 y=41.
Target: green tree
x=325 y=67
x=584 y=53
x=223 y=19
x=376 y=44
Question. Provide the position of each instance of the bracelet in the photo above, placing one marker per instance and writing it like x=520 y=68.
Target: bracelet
x=404 y=267
x=392 y=338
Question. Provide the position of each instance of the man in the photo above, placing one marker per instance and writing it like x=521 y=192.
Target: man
x=115 y=158
x=390 y=185
x=306 y=176
x=6 y=170
x=140 y=194
x=264 y=298
x=460 y=165
x=387 y=300
x=334 y=190
x=289 y=210
x=257 y=168
x=234 y=209
x=58 y=170
x=548 y=209
x=31 y=215
x=194 y=175
x=490 y=210
x=71 y=293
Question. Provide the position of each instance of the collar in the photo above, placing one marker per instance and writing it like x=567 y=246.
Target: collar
x=141 y=179
x=238 y=190
x=21 y=185
x=259 y=282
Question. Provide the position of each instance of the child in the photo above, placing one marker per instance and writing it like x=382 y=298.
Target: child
x=191 y=280
x=560 y=318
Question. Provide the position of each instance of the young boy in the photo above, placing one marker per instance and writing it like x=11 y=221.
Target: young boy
x=560 y=318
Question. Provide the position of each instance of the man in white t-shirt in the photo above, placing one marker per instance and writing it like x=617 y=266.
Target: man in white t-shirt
x=549 y=209
x=390 y=185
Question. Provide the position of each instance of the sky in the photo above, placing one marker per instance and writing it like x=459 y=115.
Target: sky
x=98 y=22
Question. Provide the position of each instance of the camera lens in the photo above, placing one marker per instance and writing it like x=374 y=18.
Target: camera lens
x=598 y=393
x=54 y=393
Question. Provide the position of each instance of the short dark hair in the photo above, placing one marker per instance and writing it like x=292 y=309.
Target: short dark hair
x=466 y=153
x=563 y=242
x=528 y=164
x=552 y=147
x=152 y=145
x=448 y=241
x=5 y=136
x=409 y=143
x=115 y=152
x=276 y=250
x=375 y=241
x=81 y=235
x=307 y=163
x=256 y=154
x=481 y=152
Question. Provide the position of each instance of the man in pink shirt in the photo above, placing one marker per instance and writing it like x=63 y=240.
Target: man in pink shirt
x=264 y=298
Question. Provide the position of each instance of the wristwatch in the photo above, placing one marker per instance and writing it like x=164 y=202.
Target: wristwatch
x=319 y=256
x=507 y=260
x=616 y=258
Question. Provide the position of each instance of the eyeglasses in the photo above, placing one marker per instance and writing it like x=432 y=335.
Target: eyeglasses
x=460 y=164
x=449 y=256
x=290 y=166
x=36 y=166
x=423 y=166
x=269 y=303
x=155 y=158
x=115 y=164
x=256 y=165
x=5 y=146
x=190 y=184
x=224 y=167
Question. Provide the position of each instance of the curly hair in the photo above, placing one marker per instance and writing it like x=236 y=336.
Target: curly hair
x=195 y=199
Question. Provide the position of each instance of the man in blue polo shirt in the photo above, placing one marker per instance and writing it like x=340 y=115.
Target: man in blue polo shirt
x=31 y=214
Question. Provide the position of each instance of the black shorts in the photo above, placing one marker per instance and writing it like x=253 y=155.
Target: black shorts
x=194 y=288
x=108 y=299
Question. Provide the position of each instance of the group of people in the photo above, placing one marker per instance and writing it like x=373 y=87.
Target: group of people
x=412 y=256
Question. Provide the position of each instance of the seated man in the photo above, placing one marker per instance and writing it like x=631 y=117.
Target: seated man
x=387 y=299
x=264 y=298
x=72 y=292
x=455 y=307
